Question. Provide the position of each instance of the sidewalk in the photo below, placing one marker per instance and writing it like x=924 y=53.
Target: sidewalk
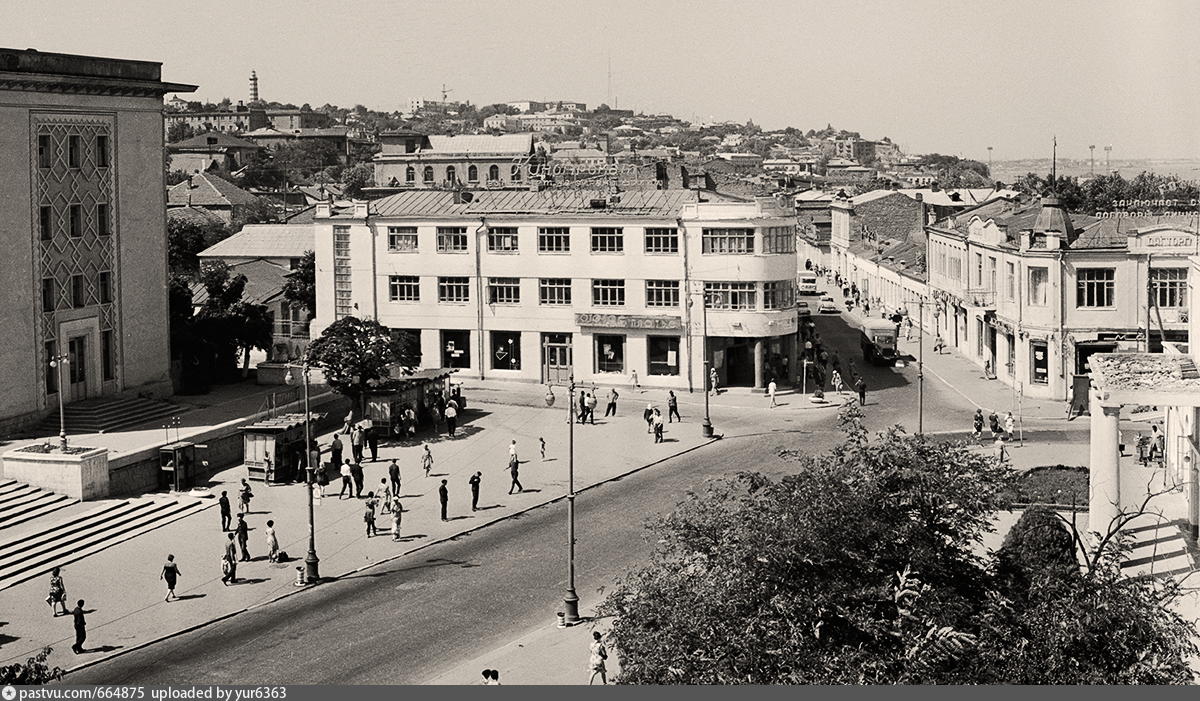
x=125 y=599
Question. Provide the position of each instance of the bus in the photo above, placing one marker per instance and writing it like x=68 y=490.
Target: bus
x=806 y=282
x=878 y=340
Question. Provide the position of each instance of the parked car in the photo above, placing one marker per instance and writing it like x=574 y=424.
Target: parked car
x=802 y=309
x=827 y=305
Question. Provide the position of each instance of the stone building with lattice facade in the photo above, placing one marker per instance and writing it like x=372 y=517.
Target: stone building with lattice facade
x=82 y=196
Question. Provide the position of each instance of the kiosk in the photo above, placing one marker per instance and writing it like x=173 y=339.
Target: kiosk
x=177 y=463
x=274 y=448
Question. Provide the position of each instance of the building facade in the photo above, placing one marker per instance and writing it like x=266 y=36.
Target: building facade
x=234 y=120
x=538 y=286
x=83 y=194
x=408 y=159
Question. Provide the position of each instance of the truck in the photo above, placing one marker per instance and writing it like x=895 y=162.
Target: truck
x=806 y=282
x=878 y=340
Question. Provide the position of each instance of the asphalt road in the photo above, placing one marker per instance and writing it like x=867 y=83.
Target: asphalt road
x=410 y=620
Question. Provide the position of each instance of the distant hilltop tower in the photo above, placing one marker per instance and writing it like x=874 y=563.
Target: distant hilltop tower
x=253 y=86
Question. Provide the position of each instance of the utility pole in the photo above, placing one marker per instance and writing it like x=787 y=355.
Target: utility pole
x=1107 y=151
x=1093 y=149
x=990 y=163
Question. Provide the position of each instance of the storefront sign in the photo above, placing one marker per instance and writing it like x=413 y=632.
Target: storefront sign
x=628 y=321
x=1169 y=241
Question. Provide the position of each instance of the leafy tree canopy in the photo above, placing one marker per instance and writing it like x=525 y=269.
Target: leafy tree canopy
x=301 y=286
x=357 y=355
x=33 y=671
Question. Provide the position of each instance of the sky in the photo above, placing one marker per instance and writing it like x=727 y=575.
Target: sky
x=934 y=76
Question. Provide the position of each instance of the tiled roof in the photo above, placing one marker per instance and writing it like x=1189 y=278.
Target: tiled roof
x=222 y=139
x=519 y=144
x=304 y=216
x=264 y=282
x=1114 y=232
x=207 y=191
x=655 y=203
x=265 y=241
x=195 y=215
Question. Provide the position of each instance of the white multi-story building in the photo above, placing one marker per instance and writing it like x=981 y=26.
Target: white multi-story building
x=540 y=285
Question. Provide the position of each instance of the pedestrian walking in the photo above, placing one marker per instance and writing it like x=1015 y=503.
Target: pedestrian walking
x=356 y=471
x=837 y=381
x=1156 y=443
x=244 y=497
x=712 y=382
x=1001 y=451
x=356 y=442
x=611 y=409
x=347 y=480
x=444 y=497
x=322 y=479
x=229 y=562
x=170 y=574
x=272 y=543
x=474 y=482
x=542 y=441
x=908 y=327
x=771 y=392
x=226 y=513
x=58 y=592
x=597 y=654
x=335 y=450
x=512 y=451
x=648 y=416
x=451 y=418
x=513 y=471
x=1009 y=424
x=372 y=437
x=435 y=414
x=394 y=476
x=80 y=628
x=938 y=343
x=977 y=423
x=994 y=425
x=385 y=496
x=427 y=460
x=658 y=426
x=633 y=380
x=243 y=537
x=861 y=385
x=582 y=416
x=369 y=514
x=673 y=407
x=591 y=408
x=824 y=358
x=397 y=517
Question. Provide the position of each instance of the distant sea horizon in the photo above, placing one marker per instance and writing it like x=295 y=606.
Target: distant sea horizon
x=1129 y=168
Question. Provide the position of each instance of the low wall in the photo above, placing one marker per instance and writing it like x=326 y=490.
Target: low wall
x=83 y=476
x=275 y=374
x=138 y=472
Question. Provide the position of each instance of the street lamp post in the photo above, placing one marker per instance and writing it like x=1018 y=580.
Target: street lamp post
x=58 y=361
x=921 y=364
x=570 y=599
x=706 y=428
x=312 y=571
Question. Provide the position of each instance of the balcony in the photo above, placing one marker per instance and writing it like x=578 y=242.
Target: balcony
x=981 y=298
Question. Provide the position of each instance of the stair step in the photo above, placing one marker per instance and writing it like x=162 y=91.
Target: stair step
x=21 y=502
x=41 y=509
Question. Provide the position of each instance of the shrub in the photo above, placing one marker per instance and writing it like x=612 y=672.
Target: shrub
x=1039 y=544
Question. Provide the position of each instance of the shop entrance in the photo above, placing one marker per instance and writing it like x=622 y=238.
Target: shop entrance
x=739 y=365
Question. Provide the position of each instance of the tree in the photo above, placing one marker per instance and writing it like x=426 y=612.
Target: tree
x=355 y=178
x=33 y=671
x=301 y=287
x=261 y=211
x=231 y=325
x=356 y=355
x=180 y=131
x=187 y=237
x=1038 y=545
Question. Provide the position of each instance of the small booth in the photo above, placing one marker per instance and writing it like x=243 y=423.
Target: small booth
x=177 y=466
x=274 y=449
x=419 y=391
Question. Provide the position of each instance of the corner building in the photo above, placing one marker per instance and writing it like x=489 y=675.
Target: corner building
x=541 y=285
x=83 y=199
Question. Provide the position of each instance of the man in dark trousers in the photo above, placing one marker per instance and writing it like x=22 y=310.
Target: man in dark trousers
x=444 y=496
x=474 y=482
x=513 y=469
x=243 y=537
x=356 y=472
x=373 y=442
x=335 y=451
x=394 y=475
x=226 y=512
x=672 y=407
x=861 y=385
x=80 y=628
x=583 y=407
x=229 y=561
x=612 y=404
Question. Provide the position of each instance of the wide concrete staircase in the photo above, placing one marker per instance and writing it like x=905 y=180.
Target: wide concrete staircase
x=52 y=542
x=103 y=415
x=21 y=502
x=1159 y=549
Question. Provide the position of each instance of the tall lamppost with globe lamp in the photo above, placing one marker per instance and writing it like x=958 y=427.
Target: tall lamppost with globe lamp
x=706 y=427
x=570 y=599
x=58 y=361
x=311 y=561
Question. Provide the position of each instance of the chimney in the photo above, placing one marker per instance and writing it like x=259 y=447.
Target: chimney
x=922 y=219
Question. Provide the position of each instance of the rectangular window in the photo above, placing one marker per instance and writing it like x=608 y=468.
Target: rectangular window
x=402 y=239
x=454 y=289
x=506 y=350
x=451 y=239
x=1039 y=280
x=102 y=227
x=343 y=306
x=554 y=291
x=662 y=355
x=48 y=294
x=662 y=293
x=662 y=240
x=610 y=354
x=102 y=151
x=77 y=297
x=1039 y=367
x=51 y=371
x=73 y=155
x=978 y=270
x=779 y=294
x=502 y=239
x=1095 y=287
x=1010 y=282
x=607 y=239
x=728 y=241
x=991 y=274
x=76 y=220
x=779 y=239
x=44 y=150
x=608 y=293
x=105 y=285
x=1168 y=287
x=46 y=223
x=735 y=296
x=107 y=357
x=404 y=288
x=554 y=239
x=504 y=290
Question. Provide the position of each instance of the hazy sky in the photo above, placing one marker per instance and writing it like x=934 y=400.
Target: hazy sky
x=951 y=77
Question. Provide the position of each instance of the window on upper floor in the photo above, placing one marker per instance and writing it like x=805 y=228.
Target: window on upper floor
x=779 y=239
x=102 y=223
x=1010 y=283
x=608 y=293
x=46 y=223
x=554 y=291
x=74 y=155
x=428 y=174
x=48 y=300
x=44 y=150
x=502 y=239
x=516 y=172
x=504 y=290
x=1039 y=281
x=105 y=285
x=75 y=218
x=978 y=270
x=402 y=239
x=451 y=175
x=727 y=241
x=662 y=240
x=607 y=239
x=102 y=151
x=493 y=173
x=662 y=293
x=554 y=239
x=473 y=174
x=454 y=289
x=404 y=288
x=451 y=239
x=779 y=294
x=78 y=296
x=736 y=296
x=1095 y=287
x=410 y=175
x=1168 y=287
